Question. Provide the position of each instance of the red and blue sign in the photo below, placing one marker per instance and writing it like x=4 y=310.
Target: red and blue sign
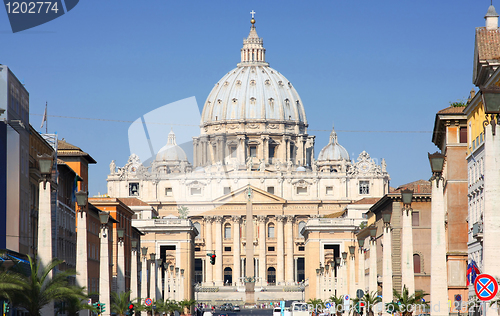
x=148 y=302
x=486 y=287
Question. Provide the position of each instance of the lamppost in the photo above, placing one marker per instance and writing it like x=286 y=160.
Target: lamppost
x=439 y=275
x=387 y=291
x=104 y=291
x=491 y=103
x=144 y=276
x=133 y=271
x=361 y=264
x=44 y=244
x=81 y=242
x=352 y=274
x=372 y=279
x=120 y=232
x=407 y=273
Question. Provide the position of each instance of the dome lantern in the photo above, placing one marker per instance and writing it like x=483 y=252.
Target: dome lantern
x=253 y=51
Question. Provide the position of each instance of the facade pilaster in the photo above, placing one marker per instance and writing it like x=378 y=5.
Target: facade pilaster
x=289 y=249
x=218 y=251
x=262 y=249
x=439 y=271
x=387 y=287
x=407 y=272
x=280 y=275
x=265 y=148
x=236 y=250
x=209 y=248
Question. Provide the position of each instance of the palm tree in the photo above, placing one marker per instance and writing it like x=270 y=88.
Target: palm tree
x=35 y=290
x=337 y=300
x=186 y=305
x=72 y=306
x=316 y=303
x=120 y=302
x=406 y=303
x=370 y=299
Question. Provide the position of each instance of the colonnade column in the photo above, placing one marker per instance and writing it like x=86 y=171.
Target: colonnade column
x=352 y=271
x=289 y=249
x=104 y=294
x=280 y=275
x=158 y=281
x=372 y=278
x=44 y=244
x=361 y=265
x=387 y=292
x=262 y=250
x=144 y=279
x=236 y=250
x=218 y=251
x=209 y=248
x=407 y=271
x=81 y=254
x=166 y=295
x=133 y=273
x=120 y=269
x=152 y=278
x=439 y=280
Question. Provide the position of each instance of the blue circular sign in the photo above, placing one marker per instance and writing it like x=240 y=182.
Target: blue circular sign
x=328 y=305
x=458 y=297
x=486 y=287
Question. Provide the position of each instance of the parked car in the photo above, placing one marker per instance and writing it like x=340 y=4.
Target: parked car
x=236 y=308
x=226 y=307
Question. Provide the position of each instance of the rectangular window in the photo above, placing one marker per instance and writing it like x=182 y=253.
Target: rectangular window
x=301 y=190
x=270 y=248
x=232 y=151
x=272 y=151
x=463 y=134
x=364 y=187
x=415 y=220
x=227 y=248
x=195 y=191
x=253 y=151
x=133 y=189
x=227 y=190
x=329 y=190
x=270 y=190
x=168 y=191
x=197 y=249
x=302 y=248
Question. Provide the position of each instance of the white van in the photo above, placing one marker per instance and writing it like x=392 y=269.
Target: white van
x=300 y=309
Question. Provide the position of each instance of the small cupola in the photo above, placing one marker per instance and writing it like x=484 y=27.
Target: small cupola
x=491 y=18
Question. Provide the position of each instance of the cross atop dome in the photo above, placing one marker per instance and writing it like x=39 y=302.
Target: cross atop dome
x=252 y=13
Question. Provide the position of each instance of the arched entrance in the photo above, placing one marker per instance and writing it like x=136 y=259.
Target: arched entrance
x=228 y=276
x=271 y=276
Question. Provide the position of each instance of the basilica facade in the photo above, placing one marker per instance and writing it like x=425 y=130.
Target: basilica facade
x=253 y=175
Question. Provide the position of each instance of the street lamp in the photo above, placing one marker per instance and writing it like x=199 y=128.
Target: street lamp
x=318 y=271
x=327 y=267
x=81 y=198
x=491 y=103
x=152 y=256
x=337 y=261
x=352 y=249
x=406 y=197
x=344 y=255
x=373 y=232
x=134 y=244
x=121 y=233
x=104 y=217
x=361 y=242
x=386 y=217
x=437 y=163
x=45 y=162
x=144 y=251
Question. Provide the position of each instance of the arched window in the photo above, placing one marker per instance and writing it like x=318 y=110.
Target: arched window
x=228 y=276
x=227 y=231
x=198 y=227
x=271 y=276
x=416 y=263
x=302 y=224
x=270 y=230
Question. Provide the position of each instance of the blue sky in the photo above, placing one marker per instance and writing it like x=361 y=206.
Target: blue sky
x=386 y=65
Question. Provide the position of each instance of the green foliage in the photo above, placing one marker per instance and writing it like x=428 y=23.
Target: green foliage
x=370 y=300
x=337 y=300
x=37 y=289
x=72 y=306
x=119 y=302
x=316 y=303
x=458 y=103
x=405 y=299
x=183 y=211
x=363 y=224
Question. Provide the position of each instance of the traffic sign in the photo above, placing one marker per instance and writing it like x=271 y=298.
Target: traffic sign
x=360 y=293
x=328 y=305
x=346 y=297
x=486 y=287
x=148 y=302
x=458 y=297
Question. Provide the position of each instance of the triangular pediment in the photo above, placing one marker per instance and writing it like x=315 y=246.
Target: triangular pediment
x=241 y=196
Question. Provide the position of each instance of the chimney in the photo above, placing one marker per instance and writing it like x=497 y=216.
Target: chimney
x=491 y=18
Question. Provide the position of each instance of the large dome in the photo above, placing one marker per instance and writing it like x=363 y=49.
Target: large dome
x=253 y=91
x=333 y=150
x=171 y=151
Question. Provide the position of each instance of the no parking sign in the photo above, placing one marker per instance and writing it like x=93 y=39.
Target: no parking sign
x=486 y=287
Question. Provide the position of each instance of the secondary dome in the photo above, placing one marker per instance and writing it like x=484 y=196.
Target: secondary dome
x=333 y=151
x=171 y=151
x=253 y=91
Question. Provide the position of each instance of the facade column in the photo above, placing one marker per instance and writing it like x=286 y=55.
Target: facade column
x=265 y=148
x=152 y=280
x=166 y=295
x=280 y=275
x=407 y=272
x=439 y=271
x=158 y=282
x=262 y=250
x=144 y=281
x=104 y=294
x=134 y=293
x=361 y=269
x=218 y=251
x=289 y=249
x=120 y=270
x=236 y=250
x=81 y=254
x=44 y=251
x=372 y=280
x=209 y=248
x=387 y=293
